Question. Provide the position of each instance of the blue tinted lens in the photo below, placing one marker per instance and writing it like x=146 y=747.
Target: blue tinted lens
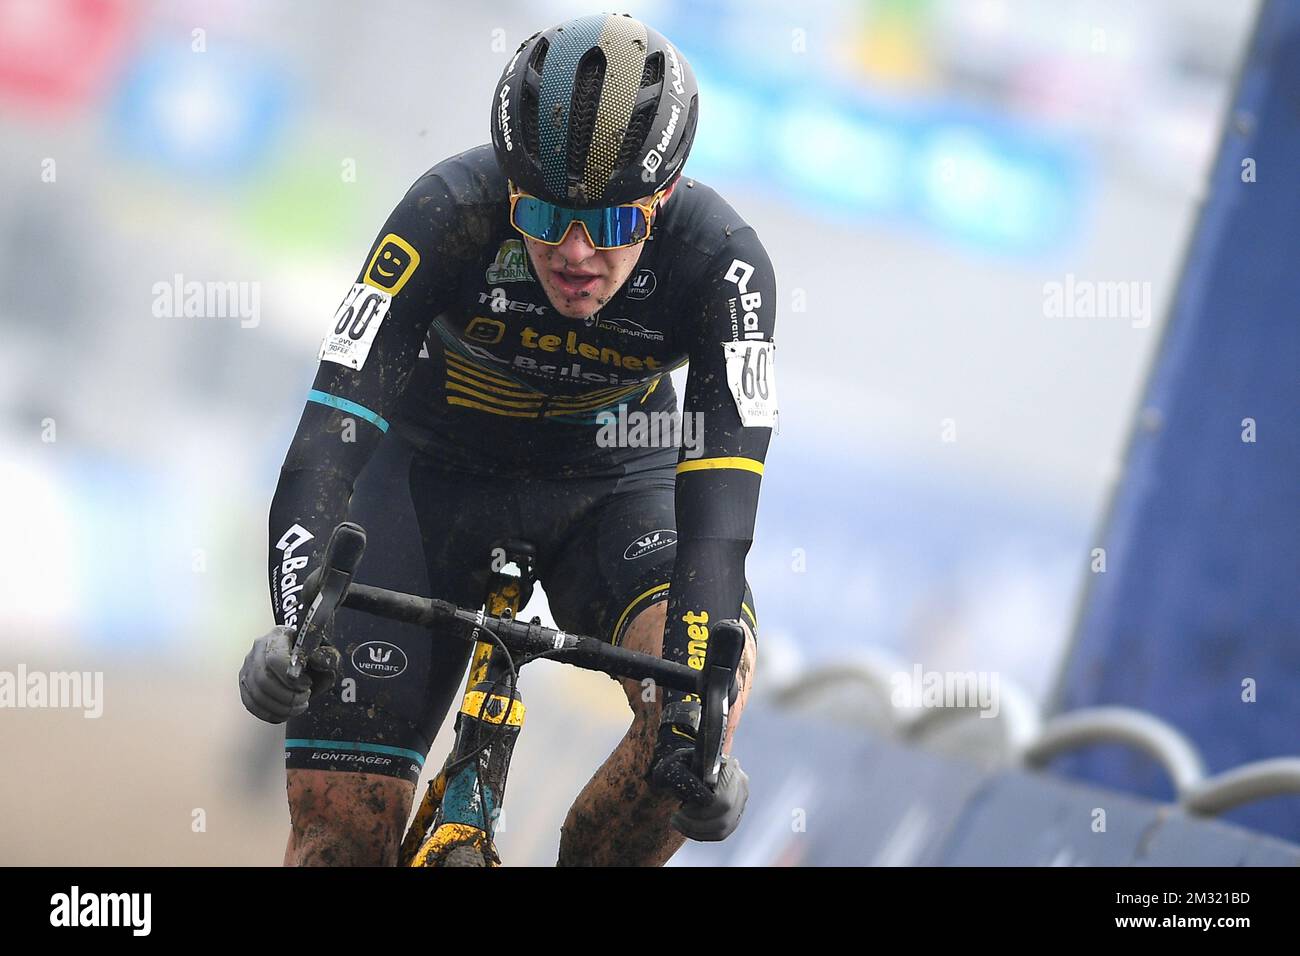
x=612 y=226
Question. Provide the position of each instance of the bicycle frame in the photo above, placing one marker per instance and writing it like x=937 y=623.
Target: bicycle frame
x=462 y=802
x=457 y=816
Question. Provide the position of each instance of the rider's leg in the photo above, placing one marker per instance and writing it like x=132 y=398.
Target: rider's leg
x=618 y=820
x=354 y=757
x=346 y=819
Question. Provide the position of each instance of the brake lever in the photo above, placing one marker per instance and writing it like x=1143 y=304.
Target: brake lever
x=718 y=691
x=342 y=555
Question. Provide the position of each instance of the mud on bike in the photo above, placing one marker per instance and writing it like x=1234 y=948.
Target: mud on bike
x=458 y=812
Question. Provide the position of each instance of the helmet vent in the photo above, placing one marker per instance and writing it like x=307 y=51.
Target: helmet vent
x=587 y=84
x=528 y=121
x=538 y=58
x=638 y=128
x=654 y=70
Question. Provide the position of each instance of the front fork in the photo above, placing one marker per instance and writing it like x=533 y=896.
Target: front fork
x=462 y=804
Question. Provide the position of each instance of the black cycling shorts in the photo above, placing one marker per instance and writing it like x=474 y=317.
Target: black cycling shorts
x=605 y=552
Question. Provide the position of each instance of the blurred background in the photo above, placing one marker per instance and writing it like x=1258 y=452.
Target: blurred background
x=921 y=172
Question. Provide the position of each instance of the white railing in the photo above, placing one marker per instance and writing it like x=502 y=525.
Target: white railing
x=1019 y=736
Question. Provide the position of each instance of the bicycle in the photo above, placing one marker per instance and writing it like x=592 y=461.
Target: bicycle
x=456 y=820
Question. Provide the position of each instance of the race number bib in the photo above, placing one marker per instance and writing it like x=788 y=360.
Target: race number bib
x=355 y=325
x=751 y=376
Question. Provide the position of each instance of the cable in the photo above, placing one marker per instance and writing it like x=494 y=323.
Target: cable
x=454 y=767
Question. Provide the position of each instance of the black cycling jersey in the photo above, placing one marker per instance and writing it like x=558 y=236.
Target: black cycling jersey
x=448 y=338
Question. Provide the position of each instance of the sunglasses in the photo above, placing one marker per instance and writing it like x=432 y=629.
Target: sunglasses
x=613 y=227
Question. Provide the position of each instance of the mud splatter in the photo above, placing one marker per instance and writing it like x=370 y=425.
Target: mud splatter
x=345 y=819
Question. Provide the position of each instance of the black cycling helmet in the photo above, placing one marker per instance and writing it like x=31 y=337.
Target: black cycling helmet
x=594 y=112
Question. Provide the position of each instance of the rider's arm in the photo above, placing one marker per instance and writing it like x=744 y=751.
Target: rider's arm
x=369 y=350
x=718 y=482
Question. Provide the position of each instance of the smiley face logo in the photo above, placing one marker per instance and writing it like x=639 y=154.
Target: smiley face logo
x=487 y=331
x=392 y=264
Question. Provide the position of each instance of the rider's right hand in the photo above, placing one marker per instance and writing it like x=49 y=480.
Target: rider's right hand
x=267 y=690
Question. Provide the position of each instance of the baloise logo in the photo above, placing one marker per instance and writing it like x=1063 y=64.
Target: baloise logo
x=379 y=659
x=650 y=543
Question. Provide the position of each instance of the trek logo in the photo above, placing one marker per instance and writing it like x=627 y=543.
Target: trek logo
x=697 y=636
x=510 y=265
x=657 y=152
x=503 y=115
x=654 y=541
x=379 y=659
x=393 y=263
x=740 y=272
x=288 y=586
x=498 y=302
x=642 y=285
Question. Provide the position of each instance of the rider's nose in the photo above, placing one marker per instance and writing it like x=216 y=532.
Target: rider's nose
x=576 y=247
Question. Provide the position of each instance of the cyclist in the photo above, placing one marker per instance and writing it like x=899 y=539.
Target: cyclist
x=497 y=371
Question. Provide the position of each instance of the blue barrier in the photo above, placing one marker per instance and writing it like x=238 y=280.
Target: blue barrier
x=1199 y=608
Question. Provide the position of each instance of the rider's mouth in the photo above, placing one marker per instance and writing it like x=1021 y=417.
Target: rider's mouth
x=574 y=284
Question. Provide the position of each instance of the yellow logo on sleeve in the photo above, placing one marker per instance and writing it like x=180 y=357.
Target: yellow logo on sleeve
x=393 y=263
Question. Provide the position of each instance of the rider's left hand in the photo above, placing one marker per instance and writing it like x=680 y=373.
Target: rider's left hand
x=706 y=814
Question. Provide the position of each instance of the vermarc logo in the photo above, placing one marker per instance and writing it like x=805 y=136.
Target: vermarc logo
x=379 y=659
x=650 y=543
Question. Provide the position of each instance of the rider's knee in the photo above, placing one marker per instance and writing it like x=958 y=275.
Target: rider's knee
x=343 y=819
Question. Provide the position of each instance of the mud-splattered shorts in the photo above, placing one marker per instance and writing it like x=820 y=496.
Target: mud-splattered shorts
x=605 y=552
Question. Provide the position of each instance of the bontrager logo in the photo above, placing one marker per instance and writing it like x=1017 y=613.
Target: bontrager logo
x=75 y=908
x=339 y=756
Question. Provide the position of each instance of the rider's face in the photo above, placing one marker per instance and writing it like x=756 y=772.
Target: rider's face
x=579 y=278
